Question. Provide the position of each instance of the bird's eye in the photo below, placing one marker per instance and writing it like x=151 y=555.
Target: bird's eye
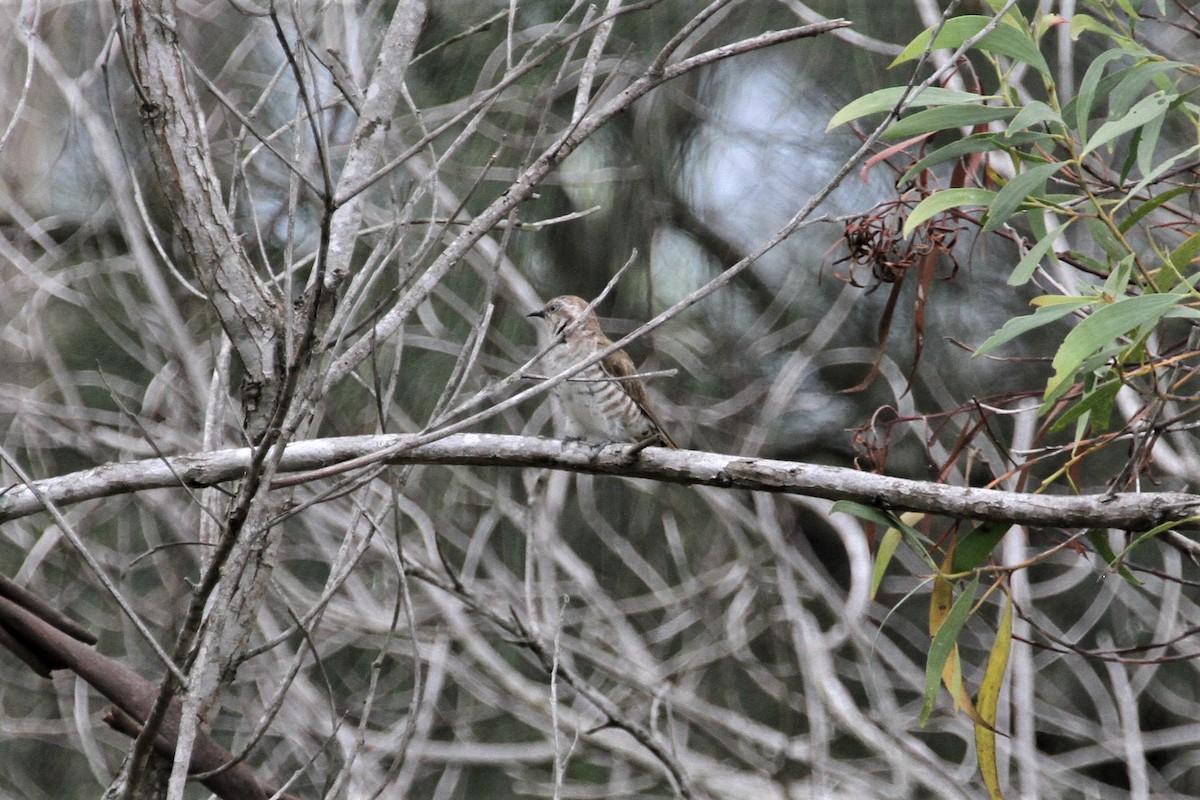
x=553 y=307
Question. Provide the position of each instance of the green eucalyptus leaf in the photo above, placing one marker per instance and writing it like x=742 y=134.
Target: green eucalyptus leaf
x=1145 y=208
x=885 y=100
x=1145 y=145
x=946 y=199
x=1085 y=23
x=1101 y=545
x=1029 y=262
x=1006 y=40
x=1021 y=325
x=1096 y=404
x=975 y=143
x=1183 y=255
x=1033 y=113
x=943 y=643
x=1086 y=97
x=868 y=513
x=939 y=119
x=1145 y=110
x=1101 y=235
x=1099 y=330
x=975 y=547
x=1135 y=79
x=1031 y=182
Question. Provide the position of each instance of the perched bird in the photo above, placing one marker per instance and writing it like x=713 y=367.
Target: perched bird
x=613 y=410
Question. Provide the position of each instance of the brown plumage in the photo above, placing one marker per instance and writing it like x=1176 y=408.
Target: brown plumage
x=615 y=411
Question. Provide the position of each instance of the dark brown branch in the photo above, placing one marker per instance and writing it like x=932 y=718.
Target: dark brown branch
x=133 y=695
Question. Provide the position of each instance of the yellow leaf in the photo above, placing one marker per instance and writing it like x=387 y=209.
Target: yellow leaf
x=952 y=678
x=942 y=596
x=883 y=557
x=941 y=601
x=989 y=698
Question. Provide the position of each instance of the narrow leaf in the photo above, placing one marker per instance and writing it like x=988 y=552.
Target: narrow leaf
x=1086 y=97
x=956 y=116
x=1009 y=41
x=1004 y=39
x=1136 y=78
x=884 y=100
x=1029 y=262
x=940 y=201
x=904 y=523
x=1102 y=236
x=1096 y=404
x=1100 y=543
x=944 y=640
x=988 y=700
x=1151 y=204
x=1156 y=172
x=941 y=598
x=883 y=557
x=975 y=143
x=956 y=31
x=869 y=513
x=1117 y=282
x=974 y=548
x=1055 y=300
x=1034 y=113
x=1150 y=534
x=1019 y=325
x=1083 y=23
x=1030 y=182
x=1146 y=109
x=1186 y=253
x=1100 y=329
x=952 y=679
x=1144 y=145
x=940 y=611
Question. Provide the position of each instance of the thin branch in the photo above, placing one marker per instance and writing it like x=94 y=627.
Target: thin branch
x=35 y=491
x=520 y=190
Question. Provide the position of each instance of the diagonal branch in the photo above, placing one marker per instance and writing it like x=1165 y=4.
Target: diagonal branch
x=133 y=695
x=179 y=147
x=543 y=165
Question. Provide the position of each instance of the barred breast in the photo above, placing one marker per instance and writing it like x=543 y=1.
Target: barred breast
x=598 y=405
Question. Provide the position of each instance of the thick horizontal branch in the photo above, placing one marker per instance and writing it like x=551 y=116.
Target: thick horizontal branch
x=1137 y=512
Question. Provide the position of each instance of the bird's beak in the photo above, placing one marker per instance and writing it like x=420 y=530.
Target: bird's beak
x=541 y=312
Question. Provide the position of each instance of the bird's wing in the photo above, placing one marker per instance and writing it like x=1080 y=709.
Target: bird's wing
x=620 y=365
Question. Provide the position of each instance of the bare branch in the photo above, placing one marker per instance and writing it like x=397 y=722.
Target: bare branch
x=520 y=190
x=133 y=696
x=1136 y=512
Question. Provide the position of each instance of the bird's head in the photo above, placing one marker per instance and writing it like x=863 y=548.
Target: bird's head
x=560 y=312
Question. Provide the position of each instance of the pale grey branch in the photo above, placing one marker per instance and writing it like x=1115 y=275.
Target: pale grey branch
x=1129 y=511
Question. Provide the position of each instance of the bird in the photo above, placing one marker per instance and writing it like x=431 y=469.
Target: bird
x=613 y=410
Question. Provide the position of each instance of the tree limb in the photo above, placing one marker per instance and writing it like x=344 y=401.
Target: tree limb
x=56 y=648
x=180 y=151
x=321 y=458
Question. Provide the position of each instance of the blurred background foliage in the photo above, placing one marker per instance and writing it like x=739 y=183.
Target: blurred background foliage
x=736 y=627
